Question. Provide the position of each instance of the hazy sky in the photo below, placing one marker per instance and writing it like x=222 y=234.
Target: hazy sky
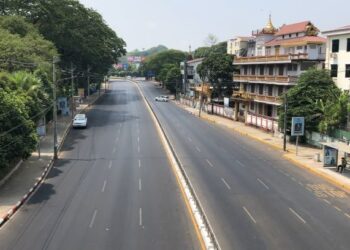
x=180 y=23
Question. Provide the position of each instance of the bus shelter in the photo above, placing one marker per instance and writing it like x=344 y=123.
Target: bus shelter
x=332 y=151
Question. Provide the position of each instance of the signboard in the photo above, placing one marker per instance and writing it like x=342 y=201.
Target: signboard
x=41 y=127
x=298 y=125
x=226 y=101
x=81 y=92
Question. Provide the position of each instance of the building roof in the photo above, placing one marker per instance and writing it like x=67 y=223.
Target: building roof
x=195 y=60
x=293 y=28
x=347 y=27
x=297 y=41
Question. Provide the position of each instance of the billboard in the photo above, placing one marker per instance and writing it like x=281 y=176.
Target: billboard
x=298 y=126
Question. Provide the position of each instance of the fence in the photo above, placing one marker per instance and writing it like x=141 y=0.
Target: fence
x=262 y=122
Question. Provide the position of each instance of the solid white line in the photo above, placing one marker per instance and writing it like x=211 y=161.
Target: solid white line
x=197 y=148
x=240 y=163
x=262 y=183
x=327 y=201
x=250 y=216
x=210 y=164
x=110 y=164
x=139 y=163
x=347 y=215
x=104 y=186
x=223 y=180
x=93 y=219
x=297 y=215
x=140 y=217
x=140 y=187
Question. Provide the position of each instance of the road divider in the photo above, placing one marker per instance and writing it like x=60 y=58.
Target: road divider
x=202 y=226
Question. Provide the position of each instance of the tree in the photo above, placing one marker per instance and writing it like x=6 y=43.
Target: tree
x=173 y=78
x=217 y=69
x=156 y=62
x=318 y=99
x=210 y=40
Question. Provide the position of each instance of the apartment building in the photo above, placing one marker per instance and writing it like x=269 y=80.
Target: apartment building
x=338 y=55
x=238 y=46
x=275 y=58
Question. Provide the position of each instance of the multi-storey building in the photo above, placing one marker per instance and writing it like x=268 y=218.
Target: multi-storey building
x=275 y=58
x=238 y=46
x=193 y=79
x=338 y=55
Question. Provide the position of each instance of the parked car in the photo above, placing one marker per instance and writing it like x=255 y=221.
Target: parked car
x=161 y=98
x=80 y=121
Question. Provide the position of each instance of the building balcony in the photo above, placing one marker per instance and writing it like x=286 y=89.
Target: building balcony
x=265 y=78
x=246 y=96
x=287 y=58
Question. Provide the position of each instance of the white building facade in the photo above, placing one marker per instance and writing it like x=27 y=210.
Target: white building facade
x=338 y=55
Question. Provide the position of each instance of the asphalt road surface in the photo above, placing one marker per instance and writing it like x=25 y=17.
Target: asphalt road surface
x=112 y=188
x=253 y=197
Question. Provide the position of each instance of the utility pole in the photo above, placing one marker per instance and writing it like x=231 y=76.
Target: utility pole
x=72 y=91
x=201 y=101
x=285 y=124
x=55 y=147
x=88 y=81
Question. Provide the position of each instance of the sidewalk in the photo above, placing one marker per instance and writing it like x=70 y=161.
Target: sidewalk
x=28 y=176
x=305 y=158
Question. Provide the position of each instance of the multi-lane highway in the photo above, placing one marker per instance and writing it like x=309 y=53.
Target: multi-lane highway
x=253 y=197
x=112 y=188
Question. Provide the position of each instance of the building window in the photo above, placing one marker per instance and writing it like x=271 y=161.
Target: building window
x=261 y=89
x=252 y=88
x=252 y=106
x=334 y=70
x=348 y=45
x=297 y=34
x=269 y=110
x=335 y=45
x=347 y=70
x=270 y=90
x=283 y=37
x=270 y=70
x=280 y=70
x=261 y=70
x=290 y=35
x=253 y=70
x=245 y=70
x=280 y=90
x=292 y=67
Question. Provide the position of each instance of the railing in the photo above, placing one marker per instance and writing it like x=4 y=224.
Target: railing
x=258 y=97
x=273 y=58
x=266 y=78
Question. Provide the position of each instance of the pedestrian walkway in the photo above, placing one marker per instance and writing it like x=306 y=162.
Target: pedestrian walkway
x=30 y=170
x=304 y=159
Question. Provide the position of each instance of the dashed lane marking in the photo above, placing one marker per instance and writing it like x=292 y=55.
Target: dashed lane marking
x=262 y=183
x=249 y=214
x=104 y=186
x=228 y=186
x=209 y=163
x=297 y=215
x=93 y=219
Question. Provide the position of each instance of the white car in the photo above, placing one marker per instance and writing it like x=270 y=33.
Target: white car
x=80 y=121
x=161 y=98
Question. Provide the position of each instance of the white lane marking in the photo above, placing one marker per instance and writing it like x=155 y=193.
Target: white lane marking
x=110 y=164
x=301 y=184
x=138 y=148
x=140 y=217
x=116 y=139
x=223 y=180
x=120 y=125
x=297 y=215
x=140 y=185
x=93 y=219
x=197 y=148
x=138 y=139
x=114 y=149
x=249 y=214
x=209 y=163
x=293 y=179
x=104 y=186
x=139 y=163
x=347 y=215
x=337 y=208
x=189 y=139
x=286 y=174
x=262 y=183
x=240 y=163
x=327 y=201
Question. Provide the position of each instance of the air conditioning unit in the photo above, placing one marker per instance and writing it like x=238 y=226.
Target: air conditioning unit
x=334 y=55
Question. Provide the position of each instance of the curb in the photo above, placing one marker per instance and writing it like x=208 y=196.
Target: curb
x=315 y=171
x=44 y=174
